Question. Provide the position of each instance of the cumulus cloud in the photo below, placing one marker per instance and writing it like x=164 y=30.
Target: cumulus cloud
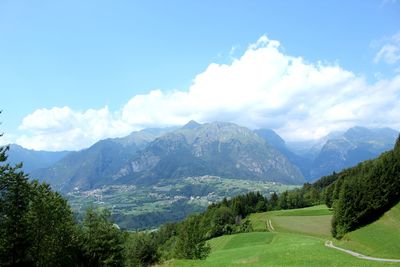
x=264 y=87
x=66 y=129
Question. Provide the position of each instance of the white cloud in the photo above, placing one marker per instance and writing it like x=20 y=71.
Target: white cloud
x=390 y=51
x=63 y=128
x=262 y=88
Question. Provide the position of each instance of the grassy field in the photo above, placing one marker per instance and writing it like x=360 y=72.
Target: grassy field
x=379 y=239
x=315 y=221
x=273 y=249
x=298 y=240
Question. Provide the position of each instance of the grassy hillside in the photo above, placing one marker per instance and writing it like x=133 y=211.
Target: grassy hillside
x=297 y=240
x=273 y=249
x=379 y=239
x=314 y=221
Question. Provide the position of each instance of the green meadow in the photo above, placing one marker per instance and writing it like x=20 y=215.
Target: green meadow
x=298 y=239
x=378 y=239
x=313 y=221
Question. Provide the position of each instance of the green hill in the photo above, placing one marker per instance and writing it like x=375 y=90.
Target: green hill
x=379 y=239
x=273 y=249
x=297 y=239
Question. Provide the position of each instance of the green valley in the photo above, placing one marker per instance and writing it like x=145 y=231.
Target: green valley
x=144 y=207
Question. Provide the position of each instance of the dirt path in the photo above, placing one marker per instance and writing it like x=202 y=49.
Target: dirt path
x=358 y=255
x=269 y=226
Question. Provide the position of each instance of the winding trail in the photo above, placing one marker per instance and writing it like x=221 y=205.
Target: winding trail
x=358 y=255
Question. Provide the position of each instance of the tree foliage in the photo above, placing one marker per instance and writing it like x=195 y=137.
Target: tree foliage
x=52 y=228
x=141 y=250
x=191 y=242
x=15 y=234
x=101 y=242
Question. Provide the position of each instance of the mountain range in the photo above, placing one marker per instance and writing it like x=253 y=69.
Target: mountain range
x=219 y=148
x=349 y=148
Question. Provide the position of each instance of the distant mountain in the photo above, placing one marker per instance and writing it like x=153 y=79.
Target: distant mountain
x=33 y=159
x=353 y=146
x=219 y=148
x=310 y=148
x=274 y=140
x=95 y=165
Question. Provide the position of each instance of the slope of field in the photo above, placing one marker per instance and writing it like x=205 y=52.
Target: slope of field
x=379 y=239
x=297 y=239
x=273 y=249
x=315 y=221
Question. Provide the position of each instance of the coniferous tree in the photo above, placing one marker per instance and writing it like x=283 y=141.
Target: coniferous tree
x=52 y=228
x=101 y=242
x=15 y=239
x=141 y=250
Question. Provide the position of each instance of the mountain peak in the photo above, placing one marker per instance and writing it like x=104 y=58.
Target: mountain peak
x=191 y=125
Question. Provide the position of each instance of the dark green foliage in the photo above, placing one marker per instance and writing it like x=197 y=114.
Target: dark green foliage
x=190 y=242
x=218 y=221
x=52 y=228
x=327 y=195
x=14 y=203
x=101 y=242
x=273 y=202
x=37 y=227
x=15 y=237
x=303 y=197
x=326 y=181
x=141 y=250
x=176 y=212
x=36 y=224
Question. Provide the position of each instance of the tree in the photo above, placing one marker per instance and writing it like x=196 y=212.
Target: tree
x=15 y=239
x=36 y=224
x=273 y=202
x=101 y=242
x=191 y=242
x=52 y=228
x=141 y=250
x=218 y=219
x=283 y=202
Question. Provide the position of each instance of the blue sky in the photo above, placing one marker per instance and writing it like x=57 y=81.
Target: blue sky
x=69 y=59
